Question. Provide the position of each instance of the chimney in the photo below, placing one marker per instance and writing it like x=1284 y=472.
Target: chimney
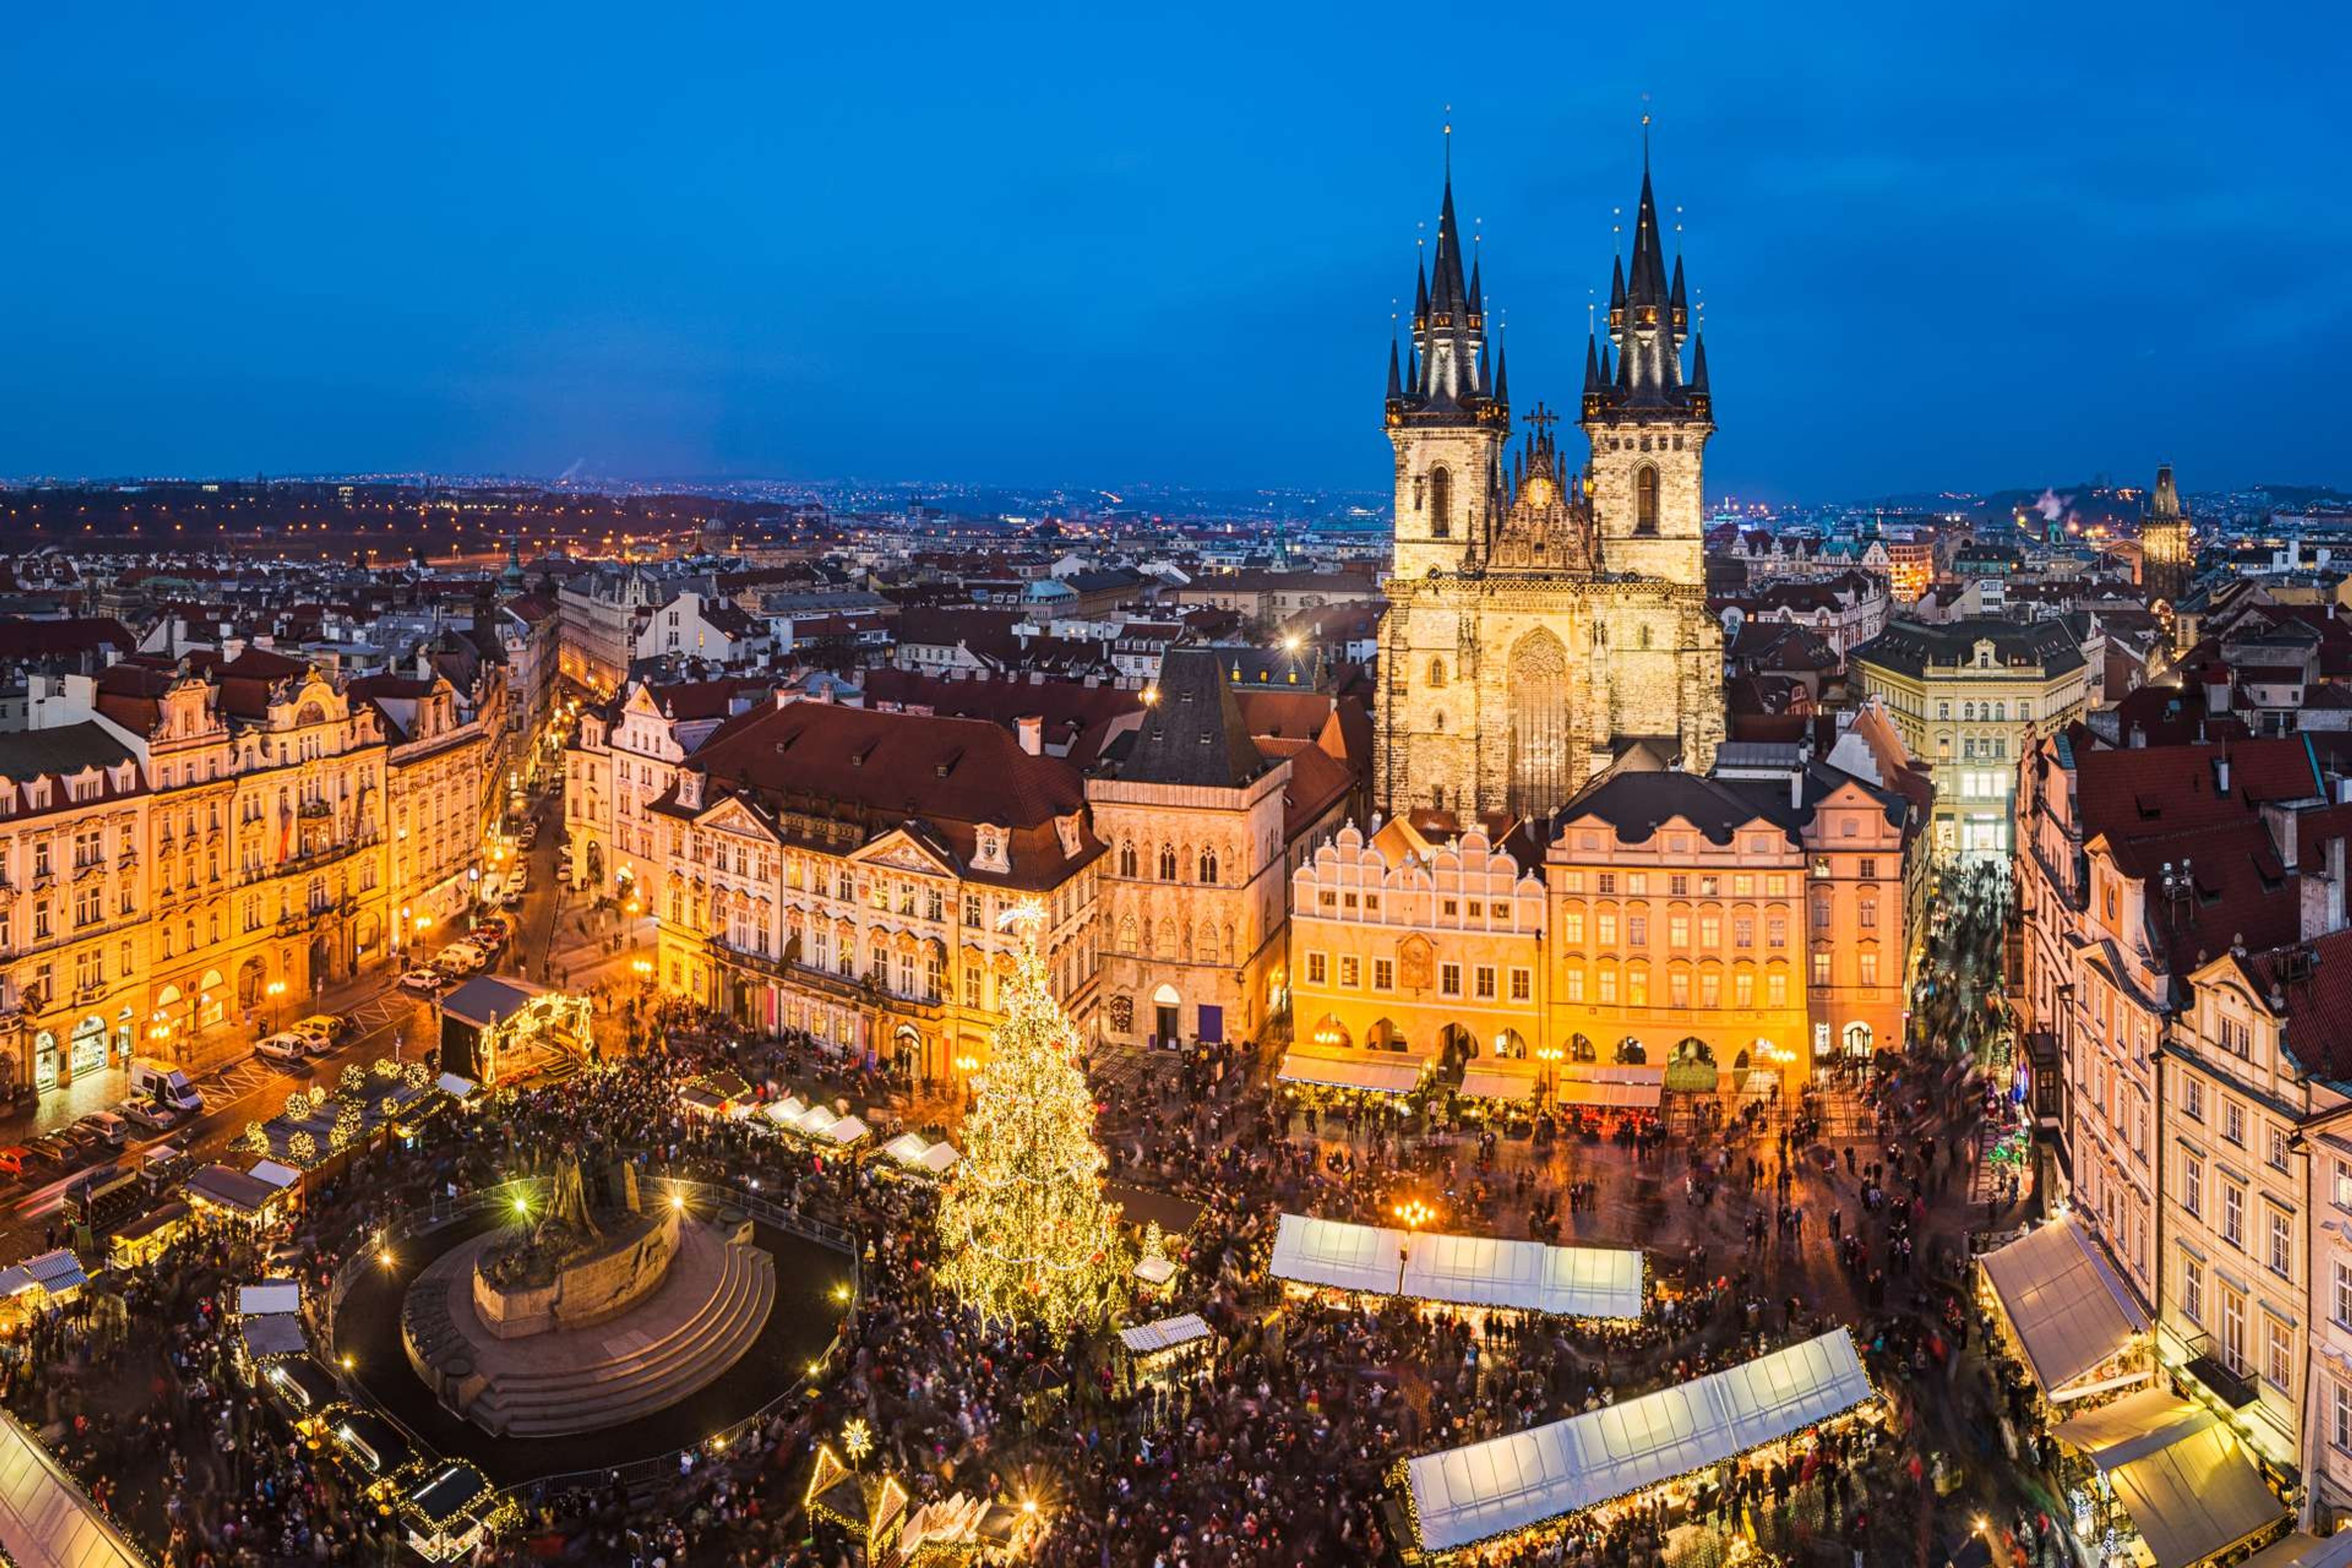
x=2221 y=774
x=1797 y=790
x=1032 y=728
x=2336 y=884
x=2282 y=824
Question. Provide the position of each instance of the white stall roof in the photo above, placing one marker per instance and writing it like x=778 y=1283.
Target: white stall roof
x=1379 y=1071
x=1165 y=1335
x=1461 y=1270
x=278 y=1176
x=2195 y=1498
x=846 y=1131
x=56 y=1272
x=45 y=1520
x=2133 y=1427
x=940 y=1158
x=1334 y=1253
x=1496 y=1083
x=456 y=1088
x=1154 y=1271
x=2068 y=1309
x=1611 y=1096
x=270 y=1296
x=1481 y=1271
x=1506 y=1484
x=907 y=1149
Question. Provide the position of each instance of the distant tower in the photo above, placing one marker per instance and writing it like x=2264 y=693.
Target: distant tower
x=511 y=579
x=2168 y=553
x=1647 y=421
x=1447 y=420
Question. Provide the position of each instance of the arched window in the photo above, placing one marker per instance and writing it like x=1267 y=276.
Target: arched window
x=1167 y=862
x=1645 y=499
x=1208 y=865
x=1436 y=674
x=1440 y=504
x=1127 y=859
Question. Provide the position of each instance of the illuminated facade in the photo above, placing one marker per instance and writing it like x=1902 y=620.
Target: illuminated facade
x=2167 y=543
x=848 y=873
x=443 y=790
x=73 y=904
x=1539 y=620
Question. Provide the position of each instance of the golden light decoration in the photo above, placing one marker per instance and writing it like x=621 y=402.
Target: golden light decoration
x=857 y=1440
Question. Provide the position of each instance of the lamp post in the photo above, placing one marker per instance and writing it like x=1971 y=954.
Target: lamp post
x=1549 y=1056
x=274 y=990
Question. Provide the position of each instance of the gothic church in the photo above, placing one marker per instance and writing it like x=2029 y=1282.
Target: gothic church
x=1540 y=621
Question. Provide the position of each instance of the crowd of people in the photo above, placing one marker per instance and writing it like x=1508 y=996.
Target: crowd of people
x=1276 y=1448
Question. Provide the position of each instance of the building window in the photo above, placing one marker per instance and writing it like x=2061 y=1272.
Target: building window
x=2277 y=1150
x=1351 y=971
x=1821 y=968
x=1678 y=929
x=1522 y=985
x=1572 y=926
x=2282 y=1246
x=1316 y=968
x=2233 y=1214
x=1776 y=989
x=1574 y=983
x=1440 y=504
x=2192 y=1291
x=1483 y=977
x=2192 y=1187
x=2278 y=1366
x=1637 y=987
x=1608 y=983
x=1167 y=862
x=2342 y=1423
x=1645 y=499
x=2192 y=1099
x=1384 y=974
x=2233 y=1332
x=2233 y=1122
x=1449 y=980
x=1606 y=925
x=1867 y=959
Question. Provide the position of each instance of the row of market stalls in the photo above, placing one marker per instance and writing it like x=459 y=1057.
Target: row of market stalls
x=2150 y=1478
x=1662 y=1447
x=1594 y=1085
x=316 y=1136
x=1466 y=1271
x=726 y=1096
x=446 y=1508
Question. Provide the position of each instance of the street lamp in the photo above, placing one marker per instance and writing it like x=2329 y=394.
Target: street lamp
x=1549 y=1056
x=274 y=990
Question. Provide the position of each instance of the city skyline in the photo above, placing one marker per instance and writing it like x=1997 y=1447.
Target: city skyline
x=1920 y=265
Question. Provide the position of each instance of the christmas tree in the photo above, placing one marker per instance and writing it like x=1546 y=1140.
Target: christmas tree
x=1024 y=1231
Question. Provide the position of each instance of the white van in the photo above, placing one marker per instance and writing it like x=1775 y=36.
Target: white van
x=163 y=1081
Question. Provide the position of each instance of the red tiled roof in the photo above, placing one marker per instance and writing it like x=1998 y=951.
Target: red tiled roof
x=2236 y=891
x=2133 y=792
x=2312 y=984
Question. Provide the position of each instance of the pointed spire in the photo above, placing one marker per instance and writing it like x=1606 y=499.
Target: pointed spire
x=1675 y=301
x=1477 y=289
x=1607 y=376
x=1420 y=295
x=1447 y=292
x=1647 y=282
x=1698 y=368
x=1503 y=375
x=1617 y=294
x=1593 y=382
x=1396 y=377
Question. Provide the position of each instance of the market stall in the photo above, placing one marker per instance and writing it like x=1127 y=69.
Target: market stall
x=46 y=1279
x=1530 y=1482
x=1166 y=1352
x=448 y=1513
x=916 y=1155
x=1466 y=1271
x=2157 y=1470
x=1374 y=1072
x=2070 y=1317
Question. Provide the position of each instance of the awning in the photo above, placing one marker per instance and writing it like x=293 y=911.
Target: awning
x=281 y=1333
x=1393 y=1075
x=1496 y=1083
x=2195 y=1497
x=1154 y=1271
x=226 y=1187
x=846 y=1132
x=1460 y=1270
x=2069 y=1310
x=1616 y=1072
x=275 y=1174
x=56 y=1272
x=2131 y=1428
x=2301 y=1551
x=1482 y=1271
x=46 y=1522
x=1609 y=1096
x=1165 y=1335
x=1344 y=1257
x=270 y=1296
x=1506 y=1484
x=456 y=1088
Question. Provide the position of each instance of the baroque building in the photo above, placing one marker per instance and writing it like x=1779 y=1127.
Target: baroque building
x=1540 y=620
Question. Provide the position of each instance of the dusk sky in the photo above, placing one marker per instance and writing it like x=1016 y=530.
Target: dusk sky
x=1115 y=244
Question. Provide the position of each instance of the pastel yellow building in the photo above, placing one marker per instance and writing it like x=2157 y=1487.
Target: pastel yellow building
x=1410 y=954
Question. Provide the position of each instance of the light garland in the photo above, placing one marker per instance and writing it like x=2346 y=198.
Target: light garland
x=1025 y=1233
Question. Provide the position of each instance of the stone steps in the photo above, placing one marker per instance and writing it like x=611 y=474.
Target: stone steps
x=652 y=1377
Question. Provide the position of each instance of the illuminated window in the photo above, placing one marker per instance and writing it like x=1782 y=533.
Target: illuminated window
x=1645 y=499
x=1440 y=504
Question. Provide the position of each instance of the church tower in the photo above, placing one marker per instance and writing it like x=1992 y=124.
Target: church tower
x=1446 y=417
x=1648 y=423
x=2168 y=555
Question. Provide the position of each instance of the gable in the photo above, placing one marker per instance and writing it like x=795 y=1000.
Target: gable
x=899 y=850
x=732 y=815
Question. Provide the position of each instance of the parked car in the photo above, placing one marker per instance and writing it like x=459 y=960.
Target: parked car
x=108 y=1126
x=15 y=1158
x=285 y=1050
x=153 y=1115
x=322 y=1029
x=55 y=1149
x=461 y=958
x=424 y=979
x=85 y=1144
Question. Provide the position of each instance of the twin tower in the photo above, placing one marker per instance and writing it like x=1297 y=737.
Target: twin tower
x=1541 y=622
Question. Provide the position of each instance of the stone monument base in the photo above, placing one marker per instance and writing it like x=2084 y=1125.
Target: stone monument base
x=621 y=1269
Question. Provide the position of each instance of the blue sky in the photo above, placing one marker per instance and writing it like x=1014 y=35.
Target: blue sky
x=1990 y=246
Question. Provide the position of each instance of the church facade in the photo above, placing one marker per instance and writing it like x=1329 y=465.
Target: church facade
x=1540 y=621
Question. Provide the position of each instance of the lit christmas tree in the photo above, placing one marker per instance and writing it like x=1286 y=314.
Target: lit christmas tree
x=1023 y=1230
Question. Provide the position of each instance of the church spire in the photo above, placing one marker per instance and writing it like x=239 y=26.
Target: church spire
x=1445 y=368
x=1396 y=377
x=1503 y=375
x=1648 y=322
